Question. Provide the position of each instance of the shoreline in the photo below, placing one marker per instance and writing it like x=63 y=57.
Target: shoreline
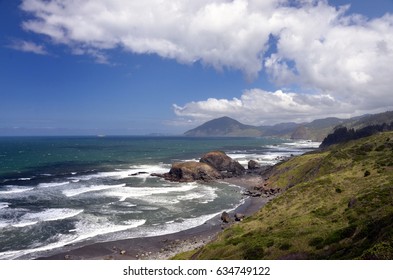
x=168 y=245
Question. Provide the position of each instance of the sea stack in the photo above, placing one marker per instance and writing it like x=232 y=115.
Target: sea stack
x=223 y=163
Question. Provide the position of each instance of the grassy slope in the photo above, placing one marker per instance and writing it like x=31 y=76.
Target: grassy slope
x=312 y=219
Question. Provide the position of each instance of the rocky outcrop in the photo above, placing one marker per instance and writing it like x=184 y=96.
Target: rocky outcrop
x=223 y=163
x=225 y=218
x=252 y=165
x=239 y=217
x=190 y=171
x=213 y=165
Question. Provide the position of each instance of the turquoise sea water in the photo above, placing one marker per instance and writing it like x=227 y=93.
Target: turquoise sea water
x=59 y=191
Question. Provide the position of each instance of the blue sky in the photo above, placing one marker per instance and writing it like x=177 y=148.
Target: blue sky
x=132 y=67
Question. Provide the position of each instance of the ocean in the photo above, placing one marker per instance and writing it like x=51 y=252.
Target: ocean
x=62 y=192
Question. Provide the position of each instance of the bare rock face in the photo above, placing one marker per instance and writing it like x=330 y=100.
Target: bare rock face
x=191 y=171
x=252 y=165
x=212 y=166
x=239 y=217
x=223 y=163
x=225 y=218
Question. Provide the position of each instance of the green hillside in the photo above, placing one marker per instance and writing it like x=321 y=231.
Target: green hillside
x=338 y=204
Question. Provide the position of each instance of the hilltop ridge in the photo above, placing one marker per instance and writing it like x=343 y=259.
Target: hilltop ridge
x=316 y=130
x=224 y=126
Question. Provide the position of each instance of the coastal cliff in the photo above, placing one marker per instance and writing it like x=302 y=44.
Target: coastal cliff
x=336 y=204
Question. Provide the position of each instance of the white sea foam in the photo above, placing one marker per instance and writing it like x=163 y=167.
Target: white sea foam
x=4 y=205
x=275 y=154
x=116 y=209
x=54 y=214
x=94 y=188
x=202 y=195
x=238 y=156
x=304 y=144
x=24 y=179
x=161 y=200
x=190 y=196
x=168 y=227
x=137 y=171
x=3 y=224
x=46 y=216
x=14 y=190
x=83 y=231
x=89 y=229
x=174 y=226
x=51 y=185
x=101 y=229
x=24 y=224
x=147 y=192
x=115 y=174
x=142 y=171
x=148 y=208
x=209 y=195
x=126 y=204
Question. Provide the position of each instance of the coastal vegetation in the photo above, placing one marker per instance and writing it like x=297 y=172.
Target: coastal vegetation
x=343 y=134
x=337 y=203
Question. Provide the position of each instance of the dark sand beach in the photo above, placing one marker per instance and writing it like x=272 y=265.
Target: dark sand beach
x=166 y=246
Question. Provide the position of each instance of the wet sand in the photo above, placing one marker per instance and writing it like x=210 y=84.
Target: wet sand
x=167 y=246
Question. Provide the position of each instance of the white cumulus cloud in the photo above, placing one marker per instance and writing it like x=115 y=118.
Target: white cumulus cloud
x=344 y=61
x=257 y=106
x=220 y=33
x=348 y=57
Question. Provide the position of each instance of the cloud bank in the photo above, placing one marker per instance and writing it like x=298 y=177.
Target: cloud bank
x=275 y=107
x=343 y=61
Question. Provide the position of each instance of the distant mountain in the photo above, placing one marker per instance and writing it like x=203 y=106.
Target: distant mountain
x=367 y=120
x=228 y=127
x=316 y=130
x=280 y=129
x=224 y=126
